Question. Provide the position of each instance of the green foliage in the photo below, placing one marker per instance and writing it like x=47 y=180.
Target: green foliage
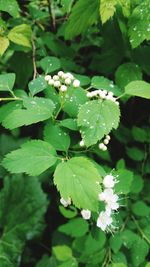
x=4 y=43
x=7 y=81
x=138 y=88
x=50 y=64
x=37 y=85
x=75 y=227
x=21 y=35
x=10 y=6
x=107 y=9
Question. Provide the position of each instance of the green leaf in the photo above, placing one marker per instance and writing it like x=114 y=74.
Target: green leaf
x=10 y=6
x=139 y=246
x=75 y=227
x=21 y=215
x=7 y=81
x=139 y=134
x=115 y=242
x=47 y=262
x=21 y=35
x=135 y=153
x=77 y=23
x=68 y=213
x=37 y=85
x=97 y=118
x=107 y=9
x=100 y=82
x=128 y=238
x=137 y=184
x=124 y=178
x=50 y=64
x=140 y=209
x=37 y=109
x=77 y=179
x=139 y=26
x=127 y=73
x=138 y=88
x=33 y=158
x=119 y=264
x=69 y=124
x=62 y=253
x=4 y=43
x=73 y=101
x=56 y=136
x=6 y=109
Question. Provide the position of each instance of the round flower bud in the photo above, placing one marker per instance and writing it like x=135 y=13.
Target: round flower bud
x=69 y=75
x=47 y=77
x=101 y=146
x=117 y=103
x=76 y=83
x=65 y=202
x=51 y=82
x=55 y=77
x=104 y=148
x=81 y=143
x=109 y=181
x=110 y=94
x=68 y=81
x=88 y=94
x=86 y=214
x=102 y=94
x=60 y=73
x=106 y=141
x=108 y=137
x=57 y=84
x=63 y=88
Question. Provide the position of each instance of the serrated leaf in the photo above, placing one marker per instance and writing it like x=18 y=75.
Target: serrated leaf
x=10 y=6
x=127 y=73
x=75 y=227
x=50 y=64
x=100 y=82
x=97 y=118
x=138 y=88
x=21 y=35
x=77 y=23
x=56 y=136
x=77 y=179
x=21 y=215
x=139 y=24
x=33 y=158
x=37 y=109
x=7 y=81
x=107 y=9
x=4 y=43
x=37 y=85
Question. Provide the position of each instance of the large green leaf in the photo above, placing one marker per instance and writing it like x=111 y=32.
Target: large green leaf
x=50 y=64
x=6 y=109
x=10 y=6
x=7 y=81
x=138 y=88
x=77 y=23
x=33 y=158
x=77 y=178
x=37 y=109
x=107 y=9
x=23 y=204
x=139 y=24
x=141 y=246
x=21 y=35
x=97 y=118
x=56 y=136
x=37 y=85
x=75 y=227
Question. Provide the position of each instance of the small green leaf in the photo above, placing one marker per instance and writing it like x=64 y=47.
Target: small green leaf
x=138 y=88
x=127 y=73
x=137 y=184
x=107 y=9
x=97 y=118
x=100 y=82
x=115 y=242
x=75 y=227
x=37 y=85
x=69 y=124
x=124 y=178
x=119 y=264
x=21 y=35
x=56 y=136
x=135 y=153
x=140 y=209
x=68 y=213
x=50 y=64
x=62 y=253
x=7 y=81
x=10 y=6
x=141 y=246
x=77 y=178
x=139 y=134
x=6 y=109
x=33 y=158
x=4 y=43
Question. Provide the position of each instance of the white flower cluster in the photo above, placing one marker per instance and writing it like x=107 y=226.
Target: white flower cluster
x=103 y=94
x=103 y=145
x=62 y=81
x=105 y=220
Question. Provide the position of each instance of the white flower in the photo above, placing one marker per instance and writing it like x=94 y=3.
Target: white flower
x=51 y=82
x=57 y=84
x=112 y=206
x=65 y=202
x=109 y=181
x=103 y=220
x=86 y=214
x=102 y=94
x=76 y=83
x=68 y=81
x=81 y=143
x=94 y=93
x=109 y=195
x=63 y=88
x=110 y=94
x=47 y=77
x=60 y=73
x=55 y=77
x=69 y=75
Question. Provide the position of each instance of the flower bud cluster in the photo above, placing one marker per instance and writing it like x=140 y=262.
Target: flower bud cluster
x=103 y=145
x=62 y=81
x=103 y=94
x=110 y=199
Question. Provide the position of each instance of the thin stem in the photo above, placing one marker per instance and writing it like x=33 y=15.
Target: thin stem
x=140 y=230
x=10 y=99
x=33 y=58
x=120 y=96
x=52 y=13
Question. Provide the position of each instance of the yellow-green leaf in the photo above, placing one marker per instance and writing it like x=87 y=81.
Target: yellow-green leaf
x=107 y=9
x=21 y=35
x=4 y=43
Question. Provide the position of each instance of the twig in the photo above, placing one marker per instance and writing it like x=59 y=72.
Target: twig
x=33 y=58
x=52 y=14
x=140 y=230
x=10 y=98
